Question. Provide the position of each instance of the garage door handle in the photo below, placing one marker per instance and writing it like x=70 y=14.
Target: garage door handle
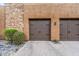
x=77 y=24
x=61 y=34
x=39 y=31
x=68 y=31
x=77 y=34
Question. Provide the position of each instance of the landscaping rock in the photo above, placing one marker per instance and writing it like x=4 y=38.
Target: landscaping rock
x=7 y=49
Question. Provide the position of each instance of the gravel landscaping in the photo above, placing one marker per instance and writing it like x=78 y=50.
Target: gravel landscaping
x=7 y=49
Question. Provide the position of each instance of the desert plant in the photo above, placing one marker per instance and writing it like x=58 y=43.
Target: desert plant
x=18 y=38
x=56 y=41
x=8 y=33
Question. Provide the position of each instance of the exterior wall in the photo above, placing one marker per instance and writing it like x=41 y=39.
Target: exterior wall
x=1 y=21
x=53 y=11
x=17 y=15
x=14 y=16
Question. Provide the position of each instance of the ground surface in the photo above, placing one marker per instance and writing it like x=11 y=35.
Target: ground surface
x=48 y=48
x=7 y=49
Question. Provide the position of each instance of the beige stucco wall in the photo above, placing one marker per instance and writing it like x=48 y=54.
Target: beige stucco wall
x=17 y=15
x=53 y=11
x=2 y=22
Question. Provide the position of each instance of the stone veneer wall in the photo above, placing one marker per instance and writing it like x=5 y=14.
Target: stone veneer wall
x=14 y=16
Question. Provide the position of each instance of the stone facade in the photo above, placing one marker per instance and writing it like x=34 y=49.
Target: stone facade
x=14 y=16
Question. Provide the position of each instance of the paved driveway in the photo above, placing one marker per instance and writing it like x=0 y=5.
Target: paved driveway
x=49 y=48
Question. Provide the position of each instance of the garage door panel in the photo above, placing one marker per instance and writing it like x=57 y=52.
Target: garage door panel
x=70 y=30
x=74 y=29
x=63 y=31
x=43 y=38
x=39 y=29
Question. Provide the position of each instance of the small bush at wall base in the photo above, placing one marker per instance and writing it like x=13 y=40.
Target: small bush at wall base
x=8 y=33
x=56 y=41
x=18 y=38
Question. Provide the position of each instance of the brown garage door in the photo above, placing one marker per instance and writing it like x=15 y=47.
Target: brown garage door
x=69 y=29
x=39 y=29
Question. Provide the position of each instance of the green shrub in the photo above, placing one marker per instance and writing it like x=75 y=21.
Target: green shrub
x=18 y=38
x=8 y=33
x=56 y=41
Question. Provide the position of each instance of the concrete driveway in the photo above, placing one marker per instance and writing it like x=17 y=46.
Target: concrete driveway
x=49 y=48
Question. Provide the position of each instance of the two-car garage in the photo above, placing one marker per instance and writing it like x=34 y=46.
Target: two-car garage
x=40 y=29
